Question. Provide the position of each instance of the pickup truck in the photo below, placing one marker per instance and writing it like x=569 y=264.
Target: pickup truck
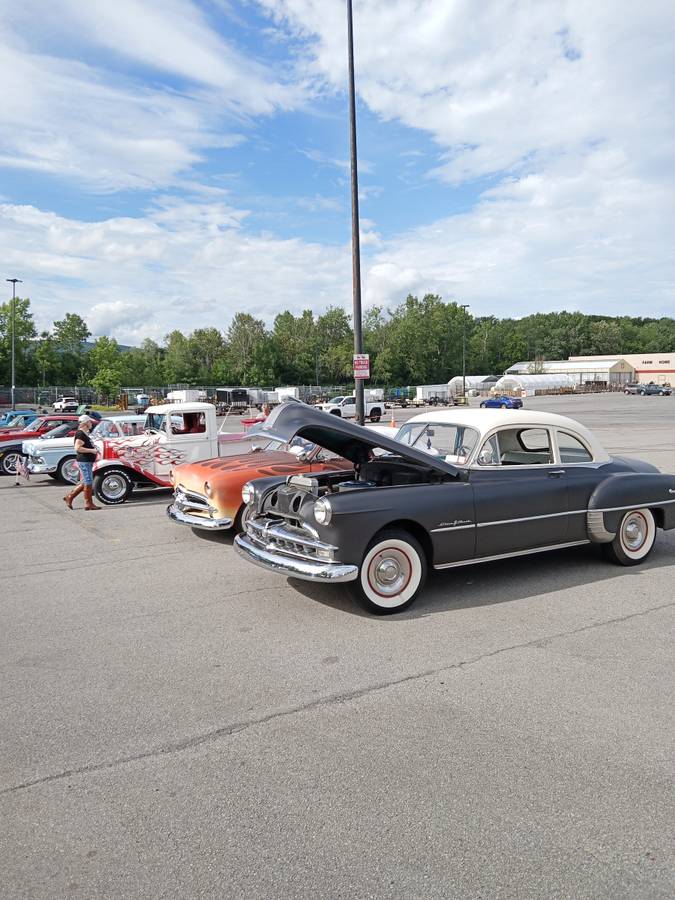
x=648 y=389
x=173 y=433
x=345 y=407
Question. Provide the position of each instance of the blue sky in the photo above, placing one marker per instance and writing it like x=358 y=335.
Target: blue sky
x=166 y=164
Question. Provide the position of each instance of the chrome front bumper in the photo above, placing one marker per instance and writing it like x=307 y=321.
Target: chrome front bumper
x=40 y=468
x=183 y=518
x=269 y=557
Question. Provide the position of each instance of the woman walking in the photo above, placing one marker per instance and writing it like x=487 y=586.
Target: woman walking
x=85 y=453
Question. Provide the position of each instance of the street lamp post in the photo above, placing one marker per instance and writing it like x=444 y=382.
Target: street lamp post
x=14 y=282
x=356 y=244
x=464 y=307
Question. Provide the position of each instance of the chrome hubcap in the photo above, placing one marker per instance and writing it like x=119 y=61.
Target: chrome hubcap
x=71 y=472
x=10 y=461
x=114 y=487
x=391 y=572
x=634 y=531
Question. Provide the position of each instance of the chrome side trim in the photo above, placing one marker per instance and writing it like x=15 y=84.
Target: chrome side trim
x=571 y=512
x=595 y=523
x=307 y=570
x=481 y=559
x=605 y=509
x=183 y=518
x=453 y=528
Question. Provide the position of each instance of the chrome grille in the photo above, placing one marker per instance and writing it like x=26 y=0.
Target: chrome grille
x=293 y=540
x=191 y=502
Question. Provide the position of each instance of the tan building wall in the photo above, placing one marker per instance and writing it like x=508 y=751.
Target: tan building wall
x=657 y=367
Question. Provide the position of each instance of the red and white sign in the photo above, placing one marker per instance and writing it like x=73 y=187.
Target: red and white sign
x=361 y=365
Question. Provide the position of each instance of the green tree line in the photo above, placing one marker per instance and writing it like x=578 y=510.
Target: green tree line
x=419 y=341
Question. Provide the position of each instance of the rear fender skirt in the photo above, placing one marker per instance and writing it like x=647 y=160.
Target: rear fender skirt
x=595 y=523
x=624 y=491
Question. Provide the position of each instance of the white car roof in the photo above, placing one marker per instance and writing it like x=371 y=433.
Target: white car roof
x=486 y=420
x=113 y=417
x=180 y=408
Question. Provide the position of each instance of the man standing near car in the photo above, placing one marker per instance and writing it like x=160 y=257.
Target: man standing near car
x=85 y=453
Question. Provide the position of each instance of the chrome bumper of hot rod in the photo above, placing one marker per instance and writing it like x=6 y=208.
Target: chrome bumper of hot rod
x=190 y=508
x=280 y=547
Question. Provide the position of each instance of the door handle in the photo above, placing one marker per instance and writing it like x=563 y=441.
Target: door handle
x=556 y=473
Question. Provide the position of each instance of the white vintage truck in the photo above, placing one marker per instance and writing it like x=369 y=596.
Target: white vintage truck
x=173 y=433
x=345 y=407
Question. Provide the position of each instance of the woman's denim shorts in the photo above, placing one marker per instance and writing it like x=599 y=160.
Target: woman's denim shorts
x=86 y=470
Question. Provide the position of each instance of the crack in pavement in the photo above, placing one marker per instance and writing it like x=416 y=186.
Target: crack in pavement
x=329 y=700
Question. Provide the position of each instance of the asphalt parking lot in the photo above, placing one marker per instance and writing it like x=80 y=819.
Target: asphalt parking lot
x=176 y=723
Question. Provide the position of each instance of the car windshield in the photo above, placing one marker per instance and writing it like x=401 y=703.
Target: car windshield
x=36 y=425
x=452 y=442
x=296 y=447
x=106 y=428
x=17 y=420
x=60 y=431
x=157 y=422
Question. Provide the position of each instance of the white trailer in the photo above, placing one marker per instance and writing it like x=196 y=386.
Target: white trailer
x=373 y=395
x=427 y=394
x=288 y=391
x=191 y=395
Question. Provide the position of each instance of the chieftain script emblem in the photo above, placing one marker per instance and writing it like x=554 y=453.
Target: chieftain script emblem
x=455 y=523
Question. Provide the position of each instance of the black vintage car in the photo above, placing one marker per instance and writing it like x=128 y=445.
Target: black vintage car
x=456 y=487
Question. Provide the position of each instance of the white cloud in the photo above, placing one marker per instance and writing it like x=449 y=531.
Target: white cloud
x=493 y=82
x=180 y=266
x=318 y=203
x=590 y=239
x=565 y=108
x=102 y=127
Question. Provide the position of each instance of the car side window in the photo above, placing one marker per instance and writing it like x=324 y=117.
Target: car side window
x=571 y=449
x=525 y=447
x=489 y=453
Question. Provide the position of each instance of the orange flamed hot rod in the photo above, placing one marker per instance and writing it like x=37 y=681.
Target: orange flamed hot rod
x=207 y=494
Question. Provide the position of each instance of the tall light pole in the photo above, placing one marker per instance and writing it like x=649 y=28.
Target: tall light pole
x=356 y=243
x=14 y=282
x=464 y=307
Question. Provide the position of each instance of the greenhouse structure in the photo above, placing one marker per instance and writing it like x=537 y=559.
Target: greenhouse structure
x=473 y=382
x=530 y=384
x=595 y=371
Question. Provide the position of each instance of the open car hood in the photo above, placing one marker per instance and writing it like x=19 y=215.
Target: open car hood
x=353 y=442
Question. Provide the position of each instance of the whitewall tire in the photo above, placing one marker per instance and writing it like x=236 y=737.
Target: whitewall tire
x=113 y=486
x=634 y=539
x=393 y=571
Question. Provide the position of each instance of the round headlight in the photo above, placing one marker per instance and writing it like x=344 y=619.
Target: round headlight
x=323 y=511
x=208 y=489
x=247 y=492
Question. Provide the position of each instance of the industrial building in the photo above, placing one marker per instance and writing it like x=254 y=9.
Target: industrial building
x=591 y=371
x=656 y=367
